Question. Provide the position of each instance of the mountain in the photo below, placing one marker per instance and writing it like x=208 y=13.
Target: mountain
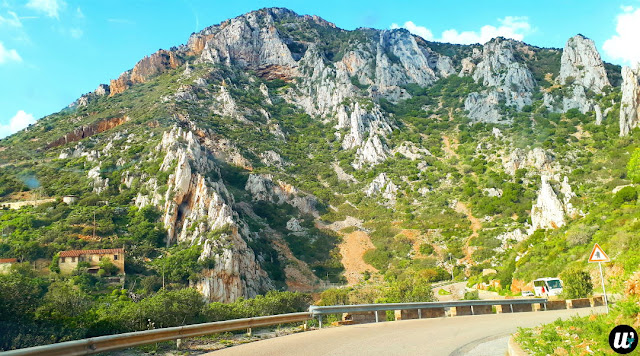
x=277 y=151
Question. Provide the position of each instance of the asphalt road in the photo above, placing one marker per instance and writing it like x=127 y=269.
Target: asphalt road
x=454 y=336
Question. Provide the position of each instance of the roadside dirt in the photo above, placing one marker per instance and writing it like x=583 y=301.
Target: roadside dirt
x=353 y=247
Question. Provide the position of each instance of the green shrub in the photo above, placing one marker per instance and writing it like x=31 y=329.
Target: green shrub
x=577 y=283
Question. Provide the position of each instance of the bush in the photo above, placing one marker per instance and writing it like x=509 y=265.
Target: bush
x=624 y=195
x=577 y=283
x=471 y=295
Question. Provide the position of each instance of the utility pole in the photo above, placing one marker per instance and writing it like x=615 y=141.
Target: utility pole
x=451 y=263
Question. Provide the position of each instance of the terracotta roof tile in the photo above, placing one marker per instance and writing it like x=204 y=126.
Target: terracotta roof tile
x=8 y=260
x=76 y=253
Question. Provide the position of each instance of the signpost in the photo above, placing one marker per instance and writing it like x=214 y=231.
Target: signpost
x=598 y=255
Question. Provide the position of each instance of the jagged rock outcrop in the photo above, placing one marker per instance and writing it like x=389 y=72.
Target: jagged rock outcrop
x=89 y=130
x=293 y=225
x=508 y=80
x=148 y=67
x=567 y=195
x=538 y=158
x=547 y=212
x=99 y=183
x=262 y=187
x=630 y=103
x=198 y=210
x=510 y=238
x=581 y=63
x=360 y=123
x=581 y=70
x=373 y=152
x=384 y=186
x=247 y=40
x=272 y=158
x=411 y=151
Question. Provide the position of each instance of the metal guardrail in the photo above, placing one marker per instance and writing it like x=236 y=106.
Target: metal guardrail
x=336 y=309
x=121 y=341
x=319 y=311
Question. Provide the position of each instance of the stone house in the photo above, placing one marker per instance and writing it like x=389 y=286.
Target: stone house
x=5 y=264
x=69 y=259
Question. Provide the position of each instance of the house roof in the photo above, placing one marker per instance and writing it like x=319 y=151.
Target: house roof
x=76 y=253
x=8 y=260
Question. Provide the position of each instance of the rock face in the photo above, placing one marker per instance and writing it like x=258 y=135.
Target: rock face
x=582 y=70
x=384 y=186
x=508 y=80
x=262 y=187
x=581 y=62
x=145 y=69
x=547 y=212
x=361 y=122
x=538 y=159
x=630 y=104
x=198 y=210
x=89 y=130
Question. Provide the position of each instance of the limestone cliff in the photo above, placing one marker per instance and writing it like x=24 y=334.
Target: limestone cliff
x=630 y=103
x=507 y=80
x=198 y=210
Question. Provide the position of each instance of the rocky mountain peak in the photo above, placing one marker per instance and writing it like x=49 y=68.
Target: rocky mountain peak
x=581 y=64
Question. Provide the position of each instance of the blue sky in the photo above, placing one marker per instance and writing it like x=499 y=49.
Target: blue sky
x=53 y=51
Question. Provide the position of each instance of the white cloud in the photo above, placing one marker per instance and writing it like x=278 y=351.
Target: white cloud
x=623 y=45
x=49 y=7
x=514 y=27
x=76 y=33
x=415 y=29
x=12 y=20
x=8 y=55
x=79 y=13
x=18 y=122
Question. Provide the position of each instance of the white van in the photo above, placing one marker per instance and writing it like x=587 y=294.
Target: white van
x=544 y=287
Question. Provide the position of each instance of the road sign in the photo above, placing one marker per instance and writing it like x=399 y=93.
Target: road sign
x=598 y=255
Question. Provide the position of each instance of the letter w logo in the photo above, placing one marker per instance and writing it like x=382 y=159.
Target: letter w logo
x=621 y=342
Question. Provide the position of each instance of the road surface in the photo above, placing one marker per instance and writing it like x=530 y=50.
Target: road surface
x=454 y=336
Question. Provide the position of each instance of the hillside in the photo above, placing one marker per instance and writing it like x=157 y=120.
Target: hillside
x=237 y=163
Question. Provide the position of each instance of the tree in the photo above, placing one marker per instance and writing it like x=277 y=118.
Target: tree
x=577 y=283
x=64 y=302
x=633 y=167
x=108 y=267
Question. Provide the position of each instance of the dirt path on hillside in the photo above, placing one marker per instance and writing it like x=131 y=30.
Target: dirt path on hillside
x=449 y=147
x=352 y=249
x=299 y=277
x=476 y=225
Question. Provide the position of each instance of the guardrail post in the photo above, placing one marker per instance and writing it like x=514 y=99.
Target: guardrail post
x=305 y=326
x=511 y=307
x=472 y=313
x=249 y=332
x=320 y=321
x=419 y=313
x=376 y=312
x=178 y=343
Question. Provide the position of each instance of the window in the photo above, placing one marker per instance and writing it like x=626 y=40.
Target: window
x=73 y=259
x=115 y=257
x=62 y=259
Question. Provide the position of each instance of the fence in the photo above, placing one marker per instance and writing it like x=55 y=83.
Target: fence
x=428 y=309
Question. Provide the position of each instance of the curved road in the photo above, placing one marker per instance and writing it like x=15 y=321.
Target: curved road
x=455 y=336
